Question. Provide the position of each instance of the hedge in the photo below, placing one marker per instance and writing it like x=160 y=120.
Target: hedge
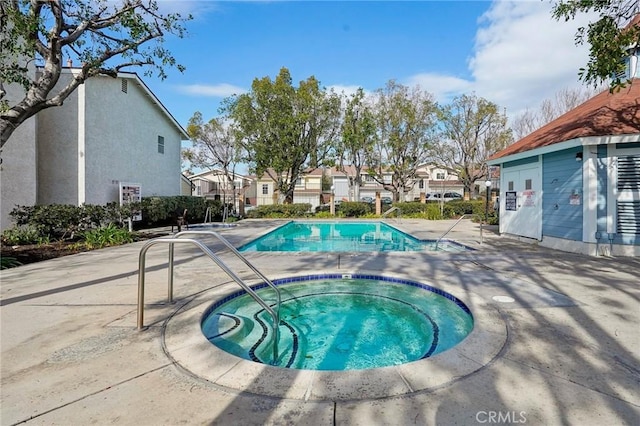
x=280 y=211
x=65 y=221
x=355 y=208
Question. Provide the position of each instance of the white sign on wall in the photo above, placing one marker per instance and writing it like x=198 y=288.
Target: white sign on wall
x=131 y=193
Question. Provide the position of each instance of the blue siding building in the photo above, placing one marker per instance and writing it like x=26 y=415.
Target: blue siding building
x=574 y=184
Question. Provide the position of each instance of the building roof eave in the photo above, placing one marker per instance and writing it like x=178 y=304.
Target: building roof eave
x=132 y=75
x=572 y=143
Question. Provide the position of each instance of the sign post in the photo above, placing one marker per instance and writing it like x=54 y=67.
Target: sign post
x=131 y=193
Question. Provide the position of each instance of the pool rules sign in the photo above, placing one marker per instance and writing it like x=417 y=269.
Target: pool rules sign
x=131 y=193
x=511 y=201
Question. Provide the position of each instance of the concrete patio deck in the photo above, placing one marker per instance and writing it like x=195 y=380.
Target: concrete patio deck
x=565 y=351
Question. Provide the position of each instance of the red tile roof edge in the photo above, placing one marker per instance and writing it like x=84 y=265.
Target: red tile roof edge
x=605 y=114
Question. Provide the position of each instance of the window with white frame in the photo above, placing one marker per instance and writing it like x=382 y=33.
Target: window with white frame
x=440 y=176
x=265 y=189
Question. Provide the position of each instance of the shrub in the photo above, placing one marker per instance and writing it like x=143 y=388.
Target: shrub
x=109 y=235
x=355 y=208
x=65 y=221
x=161 y=210
x=430 y=211
x=324 y=215
x=280 y=211
x=411 y=208
x=467 y=207
x=23 y=235
x=57 y=221
x=8 y=262
x=22 y=214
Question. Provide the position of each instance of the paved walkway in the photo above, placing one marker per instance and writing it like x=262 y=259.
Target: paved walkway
x=71 y=354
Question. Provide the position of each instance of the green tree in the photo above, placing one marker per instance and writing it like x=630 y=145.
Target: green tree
x=214 y=147
x=103 y=36
x=357 y=141
x=285 y=130
x=472 y=129
x=609 y=38
x=406 y=122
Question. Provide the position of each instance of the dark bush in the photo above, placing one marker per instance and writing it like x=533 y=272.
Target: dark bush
x=162 y=210
x=467 y=207
x=280 y=211
x=66 y=221
x=431 y=211
x=355 y=208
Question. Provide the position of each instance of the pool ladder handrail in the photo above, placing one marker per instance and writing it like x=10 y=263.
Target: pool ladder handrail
x=275 y=314
x=454 y=225
x=392 y=209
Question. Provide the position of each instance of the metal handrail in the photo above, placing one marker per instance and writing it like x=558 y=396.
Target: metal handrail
x=453 y=226
x=395 y=208
x=234 y=251
x=222 y=265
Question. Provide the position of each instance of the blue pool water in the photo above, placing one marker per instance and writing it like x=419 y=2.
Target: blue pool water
x=342 y=237
x=331 y=322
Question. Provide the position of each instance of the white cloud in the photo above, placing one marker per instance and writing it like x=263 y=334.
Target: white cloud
x=521 y=57
x=217 y=90
x=195 y=8
x=524 y=56
x=443 y=87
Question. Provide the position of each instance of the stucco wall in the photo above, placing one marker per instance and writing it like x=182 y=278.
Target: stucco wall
x=18 y=169
x=58 y=151
x=101 y=136
x=562 y=183
x=121 y=142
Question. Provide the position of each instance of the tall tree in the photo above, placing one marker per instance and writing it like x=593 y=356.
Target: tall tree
x=103 y=36
x=214 y=146
x=358 y=138
x=472 y=130
x=609 y=38
x=405 y=120
x=285 y=130
x=563 y=101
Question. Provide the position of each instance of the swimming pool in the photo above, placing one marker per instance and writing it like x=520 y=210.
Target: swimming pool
x=341 y=322
x=343 y=236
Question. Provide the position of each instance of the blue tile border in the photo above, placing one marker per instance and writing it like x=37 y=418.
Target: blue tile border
x=458 y=246
x=315 y=277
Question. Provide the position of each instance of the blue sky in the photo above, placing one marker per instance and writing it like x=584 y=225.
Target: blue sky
x=512 y=53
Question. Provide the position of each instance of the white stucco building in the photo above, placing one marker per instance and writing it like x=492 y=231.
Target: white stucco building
x=109 y=130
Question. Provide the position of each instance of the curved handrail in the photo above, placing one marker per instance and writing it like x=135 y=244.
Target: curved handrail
x=453 y=226
x=394 y=208
x=238 y=255
x=222 y=265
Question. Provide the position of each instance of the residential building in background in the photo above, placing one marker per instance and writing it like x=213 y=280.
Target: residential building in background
x=214 y=185
x=429 y=179
x=108 y=131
